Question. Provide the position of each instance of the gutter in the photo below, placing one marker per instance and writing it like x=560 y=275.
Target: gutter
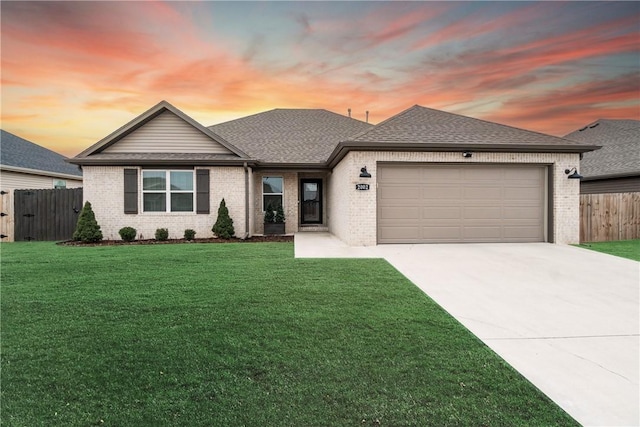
x=344 y=147
x=40 y=172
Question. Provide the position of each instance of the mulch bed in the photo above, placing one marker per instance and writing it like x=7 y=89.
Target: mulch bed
x=253 y=239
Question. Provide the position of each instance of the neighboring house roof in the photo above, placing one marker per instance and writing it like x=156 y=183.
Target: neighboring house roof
x=99 y=153
x=290 y=135
x=20 y=155
x=620 y=152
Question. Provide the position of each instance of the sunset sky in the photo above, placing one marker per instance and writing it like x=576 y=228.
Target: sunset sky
x=73 y=72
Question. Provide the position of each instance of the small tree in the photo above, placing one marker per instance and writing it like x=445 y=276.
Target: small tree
x=223 y=227
x=279 y=217
x=87 y=228
x=268 y=213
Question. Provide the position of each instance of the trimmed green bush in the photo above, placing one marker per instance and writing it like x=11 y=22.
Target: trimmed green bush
x=87 y=228
x=162 y=234
x=189 y=234
x=128 y=234
x=268 y=213
x=223 y=227
x=279 y=217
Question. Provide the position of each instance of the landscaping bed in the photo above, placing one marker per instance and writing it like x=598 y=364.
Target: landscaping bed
x=252 y=239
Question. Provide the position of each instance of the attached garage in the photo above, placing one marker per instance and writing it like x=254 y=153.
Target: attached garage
x=440 y=203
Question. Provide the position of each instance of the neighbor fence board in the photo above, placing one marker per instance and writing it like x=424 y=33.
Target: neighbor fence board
x=7 y=218
x=611 y=216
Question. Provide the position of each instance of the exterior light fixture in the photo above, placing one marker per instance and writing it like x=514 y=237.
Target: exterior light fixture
x=467 y=154
x=574 y=173
x=364 y=173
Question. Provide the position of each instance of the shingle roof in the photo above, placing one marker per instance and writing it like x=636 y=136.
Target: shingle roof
x=290 y=135
x=20 y=153
x=620 y=152
x=422 y=125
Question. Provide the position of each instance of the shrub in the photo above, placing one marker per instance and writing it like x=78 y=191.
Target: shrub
x=223 y=227
x=268 y=213
x=279 y=217
x=128 y=234
x=87 y=228
x=162 y=234
x=189 y=234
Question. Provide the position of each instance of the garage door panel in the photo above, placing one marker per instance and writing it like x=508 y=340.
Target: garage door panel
x=460 y=203
x=442 y=212
x=400 y=212
x=483 y=212
x=441 y=233
x=437 y=193
x=483 y=193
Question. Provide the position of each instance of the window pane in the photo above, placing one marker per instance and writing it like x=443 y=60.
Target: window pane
x=154 y=202
x=153 y=180
x=182 y=202
x=271 y=185
x=182 y=181
x=274 y=201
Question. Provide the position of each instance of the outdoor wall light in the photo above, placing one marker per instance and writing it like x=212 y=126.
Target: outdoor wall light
x=574 y=175
x=467 y=154
x=364 y=173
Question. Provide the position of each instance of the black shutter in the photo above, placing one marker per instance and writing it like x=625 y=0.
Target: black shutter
x=202 y=191
x=131 y=191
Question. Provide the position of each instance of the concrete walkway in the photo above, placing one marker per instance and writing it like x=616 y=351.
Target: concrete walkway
x=566 y=318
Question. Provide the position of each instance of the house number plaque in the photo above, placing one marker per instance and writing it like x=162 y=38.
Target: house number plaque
x=362 y=186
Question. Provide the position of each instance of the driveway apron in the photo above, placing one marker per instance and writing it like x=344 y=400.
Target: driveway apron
x=566 y=318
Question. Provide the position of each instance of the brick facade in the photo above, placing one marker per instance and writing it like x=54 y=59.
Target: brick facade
x=103 y=187
x=353 y=214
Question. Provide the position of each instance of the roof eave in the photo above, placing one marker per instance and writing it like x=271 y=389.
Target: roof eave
x=344 y=147
x=40 y=172
x=88 y=161
x=611 y=176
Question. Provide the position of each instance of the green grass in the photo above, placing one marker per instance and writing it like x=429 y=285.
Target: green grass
x=622 y=248
x=240 y=335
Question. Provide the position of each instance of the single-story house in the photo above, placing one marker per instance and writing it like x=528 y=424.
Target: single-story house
x=421 y=176
x=615 y=168
x=25 y=165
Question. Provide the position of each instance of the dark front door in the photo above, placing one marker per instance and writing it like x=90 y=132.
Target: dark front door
x=311 y=197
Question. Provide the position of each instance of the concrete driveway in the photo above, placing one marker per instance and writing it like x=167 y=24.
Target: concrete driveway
x=566 y=318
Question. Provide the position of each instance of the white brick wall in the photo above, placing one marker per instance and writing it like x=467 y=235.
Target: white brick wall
x=352 y=215
x=104 y=186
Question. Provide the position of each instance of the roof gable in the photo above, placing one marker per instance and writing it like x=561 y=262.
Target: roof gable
x=161 y=129
x=16 y=152
x=619 y=155
x=294 y=136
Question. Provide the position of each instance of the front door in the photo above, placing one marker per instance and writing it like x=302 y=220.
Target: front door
x=311 y=197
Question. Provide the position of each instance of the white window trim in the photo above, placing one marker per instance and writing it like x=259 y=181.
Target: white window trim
x=271 y=194
x=167 y=191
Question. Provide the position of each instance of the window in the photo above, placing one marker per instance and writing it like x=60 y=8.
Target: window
x=59 y=183
x=167 y=191
x=271 y=192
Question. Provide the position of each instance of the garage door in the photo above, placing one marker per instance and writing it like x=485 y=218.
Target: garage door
x=466 y=203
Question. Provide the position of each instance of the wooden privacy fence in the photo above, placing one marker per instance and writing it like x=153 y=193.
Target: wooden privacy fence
x=610 y=216
x=46 y=214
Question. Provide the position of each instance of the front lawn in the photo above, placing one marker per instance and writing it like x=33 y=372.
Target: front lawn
x=622 y=248
x=239 y=335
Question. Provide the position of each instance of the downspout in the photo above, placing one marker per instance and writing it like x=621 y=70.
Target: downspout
x=246 y=201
